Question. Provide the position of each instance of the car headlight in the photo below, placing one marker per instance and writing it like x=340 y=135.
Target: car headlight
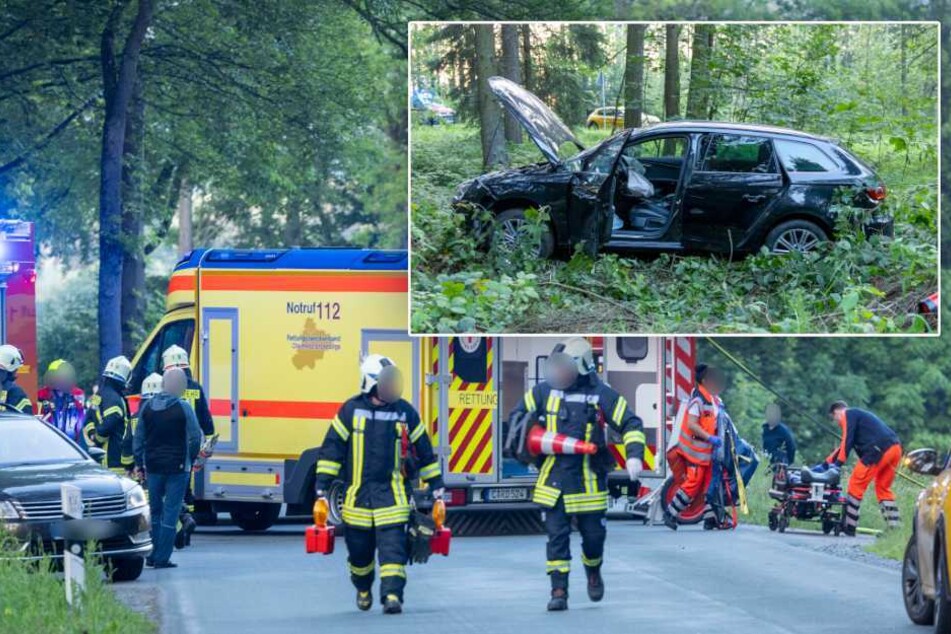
x=8 y=511
x=135 y=498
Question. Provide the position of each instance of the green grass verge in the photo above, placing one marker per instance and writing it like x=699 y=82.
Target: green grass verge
x=888 y=543
x=33 y=599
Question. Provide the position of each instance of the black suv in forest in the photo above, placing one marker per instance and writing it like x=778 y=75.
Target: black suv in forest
x=674 y=187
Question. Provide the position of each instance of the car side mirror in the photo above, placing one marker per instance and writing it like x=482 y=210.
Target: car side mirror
x=96 y=453
x=924 y=462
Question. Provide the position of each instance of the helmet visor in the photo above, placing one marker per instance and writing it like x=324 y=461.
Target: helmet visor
x=389 y=384
x=561 y=370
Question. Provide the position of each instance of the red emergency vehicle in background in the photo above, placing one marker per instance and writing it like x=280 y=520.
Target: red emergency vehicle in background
x=18 y=297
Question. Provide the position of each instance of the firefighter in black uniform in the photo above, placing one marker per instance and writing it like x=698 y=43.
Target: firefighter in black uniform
x=108 y=413
x=12 y=396
x=573 y=401
x=367 y=446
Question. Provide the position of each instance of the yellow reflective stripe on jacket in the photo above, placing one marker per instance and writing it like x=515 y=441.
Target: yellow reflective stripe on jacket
x=115 y=409
x=552 y=407
x=392 y=570
x=590 y=480
x=619 y=408
x=585 y=502
x=543 y=494
x=396 y=479
x=530 y=401
x=430 y=471
x=635 y=436
x=328 y=467
x=353 y=516
x=417 y=433
x=22 y=405
x=340 y=428
x=356 y=446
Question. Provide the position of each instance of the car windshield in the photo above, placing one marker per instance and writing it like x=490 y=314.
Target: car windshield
x=599 y=158
x=29 y=441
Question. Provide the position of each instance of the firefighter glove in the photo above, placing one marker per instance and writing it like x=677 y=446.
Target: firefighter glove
x=634 y=468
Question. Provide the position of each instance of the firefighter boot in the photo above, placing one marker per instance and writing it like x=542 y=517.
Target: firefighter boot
x=558 y=601
x=595 y=584
x=364 y=600
x=392 y=604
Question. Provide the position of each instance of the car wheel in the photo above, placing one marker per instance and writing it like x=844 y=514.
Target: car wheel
x=256 y=517
x=126 y=569
x=919 y=609
x=510 y=230
x=942 y=606
x=799 y=236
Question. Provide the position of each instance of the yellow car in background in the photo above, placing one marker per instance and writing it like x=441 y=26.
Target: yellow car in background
x=925 y=573
x=611 y=117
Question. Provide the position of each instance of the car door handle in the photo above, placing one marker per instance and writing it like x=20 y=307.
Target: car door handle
x=754 y=198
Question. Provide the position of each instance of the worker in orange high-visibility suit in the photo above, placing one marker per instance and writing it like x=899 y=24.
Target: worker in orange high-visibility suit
x=696 y=443
x=879 y=451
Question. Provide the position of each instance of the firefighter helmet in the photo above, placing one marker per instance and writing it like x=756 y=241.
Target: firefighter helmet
x=60 y=375
x=119 y=369
x=10 y=358
x=152 y=385
x=174 y=357
x=569 y=360
x=378 y=371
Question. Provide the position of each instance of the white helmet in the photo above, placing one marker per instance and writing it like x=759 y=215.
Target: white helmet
x=118 y=368
x=10 y=358
x=174 y=357
x=370 y=370
x=580 y=351
x=152 y=385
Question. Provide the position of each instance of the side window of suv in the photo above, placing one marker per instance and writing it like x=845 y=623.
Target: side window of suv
x=798 y=156
x=737 y=153
x=177 y=333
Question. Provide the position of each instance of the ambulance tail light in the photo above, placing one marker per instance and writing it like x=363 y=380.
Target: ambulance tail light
x=456 y=497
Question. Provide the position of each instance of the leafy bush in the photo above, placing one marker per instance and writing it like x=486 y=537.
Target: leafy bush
x=853 y=285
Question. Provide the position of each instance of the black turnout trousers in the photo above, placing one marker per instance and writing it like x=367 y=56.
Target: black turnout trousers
x=389 y=543
x=592 y=527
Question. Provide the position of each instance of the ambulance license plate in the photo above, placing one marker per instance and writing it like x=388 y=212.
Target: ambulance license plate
x=509 y=494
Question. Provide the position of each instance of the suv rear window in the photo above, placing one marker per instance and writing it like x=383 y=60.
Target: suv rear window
x=798 y=156
x=737 y=153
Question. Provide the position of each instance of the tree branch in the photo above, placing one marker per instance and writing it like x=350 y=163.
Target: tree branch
x=52 y=134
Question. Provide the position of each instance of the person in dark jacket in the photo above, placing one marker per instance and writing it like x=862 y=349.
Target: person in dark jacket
x=879 y=451
x=12 y=397
x=367 y=446
x=176 y=357
x=573 y=401
x=108 y=413
x=778 y=441
x=167 y=441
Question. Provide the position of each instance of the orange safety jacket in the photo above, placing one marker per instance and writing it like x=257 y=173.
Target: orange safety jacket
x=695 y=449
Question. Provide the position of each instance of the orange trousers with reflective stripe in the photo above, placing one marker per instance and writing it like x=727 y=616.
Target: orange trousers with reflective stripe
x=882 y=472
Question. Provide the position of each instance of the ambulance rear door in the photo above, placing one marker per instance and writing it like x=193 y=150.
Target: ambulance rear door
x=634 y=366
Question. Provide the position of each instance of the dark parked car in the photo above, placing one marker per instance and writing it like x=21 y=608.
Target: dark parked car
x=35 y=459
x=683 y=186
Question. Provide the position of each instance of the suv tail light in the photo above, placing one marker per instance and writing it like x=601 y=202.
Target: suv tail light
x=876 y=193
x=456 y=497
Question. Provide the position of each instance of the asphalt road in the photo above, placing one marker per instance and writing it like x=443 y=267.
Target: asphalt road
x=746 y=581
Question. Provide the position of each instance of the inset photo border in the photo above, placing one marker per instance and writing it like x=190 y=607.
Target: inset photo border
x=674 y=178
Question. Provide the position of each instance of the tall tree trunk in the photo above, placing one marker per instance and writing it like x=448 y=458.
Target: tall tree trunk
x=490 y=117
x=511 y=70
x=634 y=76
x=185 y=210
x=903 y=44
x=132 y=309
x=672 y=72
x=527 y=77
x=118 y=80
x=699 y=91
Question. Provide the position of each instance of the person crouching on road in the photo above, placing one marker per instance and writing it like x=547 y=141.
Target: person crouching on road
x=697 y=441
x=12 y=397
x=61 y=401
x=167 y=441
x=371 y=435
x=778 y=441
x=879 y=451
x=573 y=401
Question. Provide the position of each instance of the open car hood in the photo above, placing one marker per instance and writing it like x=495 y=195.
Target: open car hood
x=545 y=128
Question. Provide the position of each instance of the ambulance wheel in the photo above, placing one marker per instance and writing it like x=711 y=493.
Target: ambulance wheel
x=693 y=514
x=510 y=229
x=919 y=608
x=773 y=521
x=256 y=517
